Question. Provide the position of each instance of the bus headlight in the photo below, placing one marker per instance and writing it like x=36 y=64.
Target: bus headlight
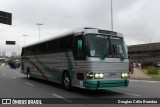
x=124 y=75
x=98 y=75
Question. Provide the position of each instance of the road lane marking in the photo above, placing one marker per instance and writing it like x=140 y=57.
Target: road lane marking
x=128 y=93
x=29 y=83
x=132 y=94
x=153 y=81
x=4 y=74
x=14 y=77
x=62 y=98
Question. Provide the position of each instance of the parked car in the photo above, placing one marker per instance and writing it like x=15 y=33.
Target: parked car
x=134 y=64
x=138 y=64
x=17 y=63
x=2 y=62
x=157 y=64
x=14 y=63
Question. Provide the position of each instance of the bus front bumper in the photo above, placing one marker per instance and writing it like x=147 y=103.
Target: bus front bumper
x=105 y=84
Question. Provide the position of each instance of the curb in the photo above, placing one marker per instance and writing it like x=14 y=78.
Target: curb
x=148 y=79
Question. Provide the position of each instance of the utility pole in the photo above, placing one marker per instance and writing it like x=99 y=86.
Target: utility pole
x=39 y=24
x=24 y=39
x=111 y=15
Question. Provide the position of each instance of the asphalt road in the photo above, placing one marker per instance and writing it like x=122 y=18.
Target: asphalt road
x=13 y=84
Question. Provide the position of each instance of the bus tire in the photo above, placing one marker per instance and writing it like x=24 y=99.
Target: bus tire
x=66 y=80
x=29 y=74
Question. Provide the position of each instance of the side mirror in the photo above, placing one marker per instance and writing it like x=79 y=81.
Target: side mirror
x=79 y=45
x=80 y=50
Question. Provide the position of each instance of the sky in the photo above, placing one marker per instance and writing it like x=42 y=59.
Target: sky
x=138 y=20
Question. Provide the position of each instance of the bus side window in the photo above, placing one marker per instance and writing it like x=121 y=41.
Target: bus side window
x=65 y=43
x=79 y=53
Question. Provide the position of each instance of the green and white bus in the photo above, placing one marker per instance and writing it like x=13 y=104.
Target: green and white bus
x=88 y=58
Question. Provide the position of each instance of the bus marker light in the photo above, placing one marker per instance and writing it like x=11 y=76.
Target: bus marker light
x=89 y=75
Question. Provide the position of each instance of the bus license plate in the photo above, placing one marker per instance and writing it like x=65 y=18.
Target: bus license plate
x=112 y=75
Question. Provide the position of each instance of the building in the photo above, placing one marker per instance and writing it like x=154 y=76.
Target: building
x=3 y=53
x=14 y=54
x=144 y=52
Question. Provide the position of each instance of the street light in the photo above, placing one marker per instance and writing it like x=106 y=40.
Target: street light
x=111 y=16
x=39 y=24
x=24 y=38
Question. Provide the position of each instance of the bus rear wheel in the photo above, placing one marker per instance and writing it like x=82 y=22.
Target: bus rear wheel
x=66 y=82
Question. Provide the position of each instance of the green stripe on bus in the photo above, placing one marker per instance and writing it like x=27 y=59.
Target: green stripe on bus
x=70 y=66
x=52 y=72
x=33 y=64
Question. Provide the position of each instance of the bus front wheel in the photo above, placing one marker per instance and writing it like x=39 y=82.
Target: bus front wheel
x=66 y=82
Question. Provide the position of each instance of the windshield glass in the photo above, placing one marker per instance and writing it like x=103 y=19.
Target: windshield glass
x=97 y=45
x=105 y=46
x=118 y=47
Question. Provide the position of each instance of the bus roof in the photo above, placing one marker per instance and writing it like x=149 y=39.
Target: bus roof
x=79 y=30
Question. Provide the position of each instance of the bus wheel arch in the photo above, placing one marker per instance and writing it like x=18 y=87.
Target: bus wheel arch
x=66 y=80
x=28 y=73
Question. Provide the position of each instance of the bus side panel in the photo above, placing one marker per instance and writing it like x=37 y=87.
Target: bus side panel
x=49 y=66
x=29 y=63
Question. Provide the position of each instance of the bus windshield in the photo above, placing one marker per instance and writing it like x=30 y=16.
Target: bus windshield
x=118 y=47
x=104 y=46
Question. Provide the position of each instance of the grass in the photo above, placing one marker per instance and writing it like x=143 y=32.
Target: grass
x=153 y=76
x=156 y=77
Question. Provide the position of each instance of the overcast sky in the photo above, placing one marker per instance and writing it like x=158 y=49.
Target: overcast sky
x=138 y=20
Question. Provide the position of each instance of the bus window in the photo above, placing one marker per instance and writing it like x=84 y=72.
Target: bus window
x=52 y=46
x=97 y=46
x=23 y=52
x=65 y=43
x=118 y=49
